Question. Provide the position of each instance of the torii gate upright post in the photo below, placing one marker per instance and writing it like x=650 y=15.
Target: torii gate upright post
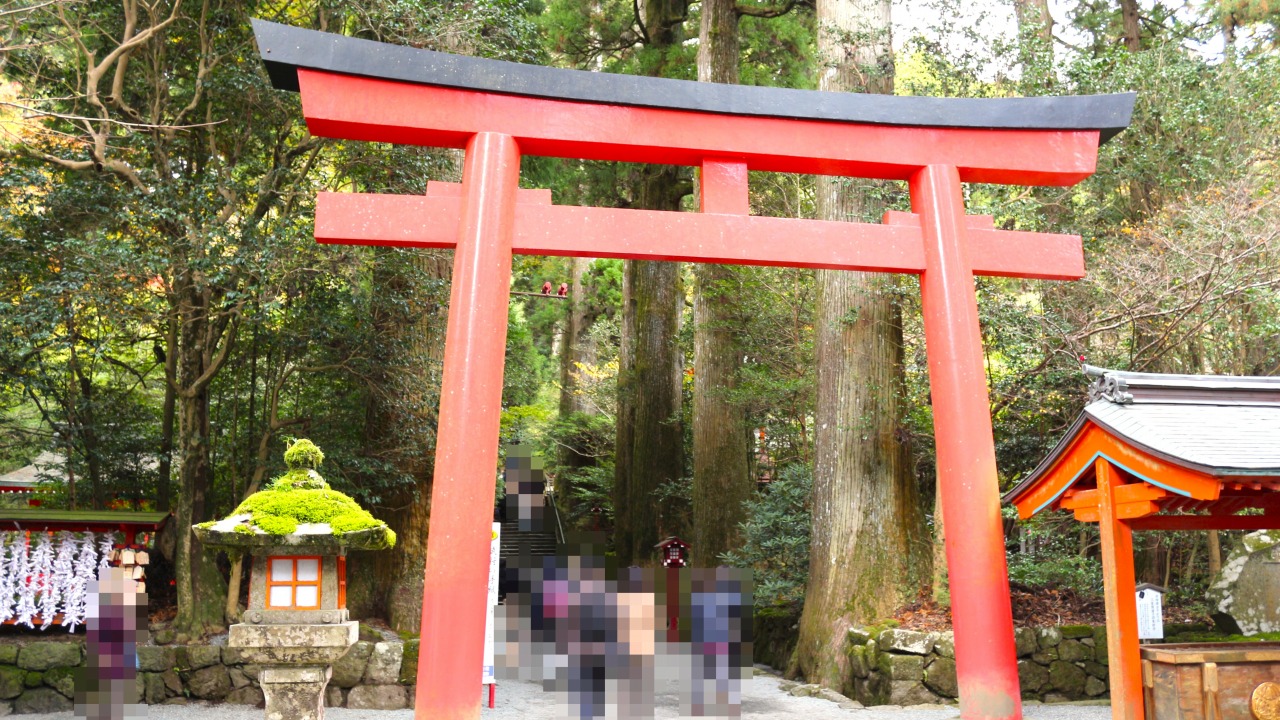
x=965 y=453
x=470 y=409
x=362 y=90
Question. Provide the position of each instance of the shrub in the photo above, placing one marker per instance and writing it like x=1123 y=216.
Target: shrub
x=1081 y=574
x=776 y=540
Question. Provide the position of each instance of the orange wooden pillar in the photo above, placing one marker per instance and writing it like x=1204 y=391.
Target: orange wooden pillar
x=1119 y=587
x=986 y=657
x=455 y=589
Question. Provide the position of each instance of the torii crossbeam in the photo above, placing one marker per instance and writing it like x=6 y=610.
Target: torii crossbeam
x=498 y=111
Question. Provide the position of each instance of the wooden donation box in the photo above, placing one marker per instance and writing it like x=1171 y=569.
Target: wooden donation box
x=1212 y=681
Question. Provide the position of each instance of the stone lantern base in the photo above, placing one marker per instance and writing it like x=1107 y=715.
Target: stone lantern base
x=294 y=693
x=297 y=661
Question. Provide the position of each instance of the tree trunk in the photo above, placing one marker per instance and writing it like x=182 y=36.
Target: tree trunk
x=200 y=585
x=1132 y=32
x=579 y=349
x=718 y=42
x=86 y=418
x=938 y=587
x=721 y=452
x=868 y=552
x=650 y=441
x=401 y=430
x=167 y=416
x=1035 y=42
x=1215 y=555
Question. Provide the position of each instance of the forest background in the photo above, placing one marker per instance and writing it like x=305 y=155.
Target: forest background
x=168 y=321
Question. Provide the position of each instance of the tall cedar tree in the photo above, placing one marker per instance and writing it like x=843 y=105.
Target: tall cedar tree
x=869 y=548
x=650 y=439
x=722 y=480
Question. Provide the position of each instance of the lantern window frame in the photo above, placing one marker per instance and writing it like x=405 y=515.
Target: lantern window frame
x=293 y=584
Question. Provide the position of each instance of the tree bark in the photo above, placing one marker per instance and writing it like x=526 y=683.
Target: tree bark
x=167 y=417
x=868 y=552
x=1132 y=31
x=200 y=585
x=721 y=450
x=1215 y=555
x=650 y=440
x=938 y=588
x=401 y=430
x=578 y=350
x=649 y=450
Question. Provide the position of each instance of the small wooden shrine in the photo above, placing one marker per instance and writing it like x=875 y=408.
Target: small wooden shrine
x=1161 y=452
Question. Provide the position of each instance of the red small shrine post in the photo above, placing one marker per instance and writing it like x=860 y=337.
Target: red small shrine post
x=1119 y=585
x=455 y=586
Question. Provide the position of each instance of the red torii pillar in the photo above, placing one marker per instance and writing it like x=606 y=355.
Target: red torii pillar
x=487 y=218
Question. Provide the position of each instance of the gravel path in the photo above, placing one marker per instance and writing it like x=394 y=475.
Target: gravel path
x=761 y=695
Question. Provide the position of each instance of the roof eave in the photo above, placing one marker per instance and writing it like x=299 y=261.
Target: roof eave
x=285 y=49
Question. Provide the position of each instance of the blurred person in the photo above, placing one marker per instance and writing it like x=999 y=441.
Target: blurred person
x=720 y=635
x=107 y=688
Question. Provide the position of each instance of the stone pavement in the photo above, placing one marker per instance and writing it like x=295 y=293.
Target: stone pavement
x=763 y=697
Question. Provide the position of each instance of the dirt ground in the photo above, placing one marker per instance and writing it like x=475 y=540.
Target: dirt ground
x=1039 y=607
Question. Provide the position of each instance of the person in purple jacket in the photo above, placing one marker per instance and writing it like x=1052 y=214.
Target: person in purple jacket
x=107 y=687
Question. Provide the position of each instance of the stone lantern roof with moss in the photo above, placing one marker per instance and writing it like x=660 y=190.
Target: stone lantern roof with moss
x=298 y=511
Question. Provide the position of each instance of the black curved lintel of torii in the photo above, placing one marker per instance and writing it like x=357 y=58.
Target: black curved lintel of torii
x=285 y=49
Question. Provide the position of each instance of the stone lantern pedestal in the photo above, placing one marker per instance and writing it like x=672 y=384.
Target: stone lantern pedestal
x=297 y=661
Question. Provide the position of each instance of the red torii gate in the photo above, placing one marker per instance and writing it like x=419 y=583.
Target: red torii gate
x=497 y=111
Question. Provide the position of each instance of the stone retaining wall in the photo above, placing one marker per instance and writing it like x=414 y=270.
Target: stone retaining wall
x=37 y=676
x=371 y=675
x=774 y=636
x=887 y=667
x=904 y=667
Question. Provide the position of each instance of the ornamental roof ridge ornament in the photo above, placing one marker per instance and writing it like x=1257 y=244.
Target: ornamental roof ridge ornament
x=286 y=49
x=1124 y=387
x=1107 y=386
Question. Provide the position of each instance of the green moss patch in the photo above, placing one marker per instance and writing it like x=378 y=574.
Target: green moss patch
x=299 y=479
x=301 y=496
x=303 y=454
x=280 y=511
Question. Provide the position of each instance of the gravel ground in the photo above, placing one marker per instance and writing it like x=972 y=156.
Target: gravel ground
x=761 y=698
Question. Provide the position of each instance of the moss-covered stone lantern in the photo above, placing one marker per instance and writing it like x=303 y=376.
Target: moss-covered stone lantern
x=297 y=532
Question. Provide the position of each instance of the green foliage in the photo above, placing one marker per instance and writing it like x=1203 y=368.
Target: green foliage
x=301 y=495
x=776 y=539
x=1051 y=556
x=526 y=369
x=1081 y=574
x=592 y=493
x=778 y=51
x=275 y=524
x=524 y=424
x=299 y=479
